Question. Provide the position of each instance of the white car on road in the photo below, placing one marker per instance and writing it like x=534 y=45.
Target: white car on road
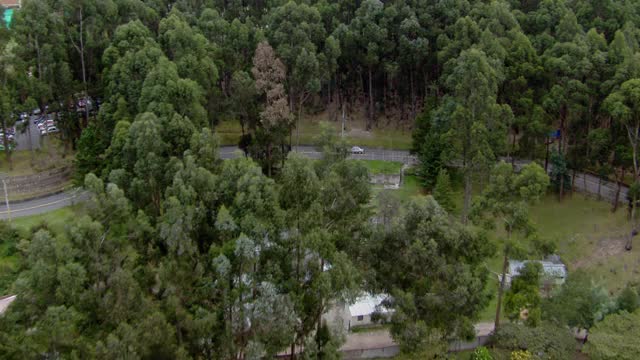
x=357 y=150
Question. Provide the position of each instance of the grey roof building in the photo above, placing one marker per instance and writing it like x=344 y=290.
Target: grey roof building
x=553 y=271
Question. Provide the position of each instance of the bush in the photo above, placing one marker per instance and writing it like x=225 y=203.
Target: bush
x=521 y=355
x=547 y=341
x=481 y=353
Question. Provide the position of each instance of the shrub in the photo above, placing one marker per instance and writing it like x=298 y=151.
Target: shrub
x=481 y=353
x=521 y=355
x=546 y=341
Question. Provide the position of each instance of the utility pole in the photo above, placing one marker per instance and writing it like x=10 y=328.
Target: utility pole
x=6 y=197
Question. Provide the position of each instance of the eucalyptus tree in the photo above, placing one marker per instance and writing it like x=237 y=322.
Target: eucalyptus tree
x=505 y=202
x=324 y=211
x=8 y=75
x=297 y=34
x=477 y=122
x=192 y=53
x=275 y=120
x=132 y=55
x=623 y=106
x=431 y=265
x=370 y=33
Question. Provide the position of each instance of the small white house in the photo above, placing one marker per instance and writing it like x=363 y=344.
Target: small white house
x=360 y=312
x=5 y=301
x=357 y=314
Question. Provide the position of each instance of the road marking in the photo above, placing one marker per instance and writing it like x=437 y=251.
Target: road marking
x=37 y=206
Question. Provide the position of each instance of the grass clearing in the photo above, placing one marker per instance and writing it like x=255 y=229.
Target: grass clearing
x=386 y=137
x=56 y=220
x=51 y=155
x=586 y=233
x=410 y=188
x=379 y=167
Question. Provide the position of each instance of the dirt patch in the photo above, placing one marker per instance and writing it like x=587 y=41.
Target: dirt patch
x=605 y=248
x=359 y=133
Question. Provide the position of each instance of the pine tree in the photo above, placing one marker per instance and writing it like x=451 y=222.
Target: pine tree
x=442 y=192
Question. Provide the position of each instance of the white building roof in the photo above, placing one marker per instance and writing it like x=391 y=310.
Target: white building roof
x=5 y=302
x=549 y=268
x=368 y=304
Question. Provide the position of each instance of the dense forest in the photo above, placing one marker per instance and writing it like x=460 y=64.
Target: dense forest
x=482 y=78
x=183 y=255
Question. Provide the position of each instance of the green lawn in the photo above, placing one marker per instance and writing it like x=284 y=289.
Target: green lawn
x=56 y=220
x=378 y=167
x=586 y=233
x=410 y=188
x=382 y=137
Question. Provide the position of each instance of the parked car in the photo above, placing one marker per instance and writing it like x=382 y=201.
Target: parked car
x=36 y=111
x=52 y=129
x=357 y=150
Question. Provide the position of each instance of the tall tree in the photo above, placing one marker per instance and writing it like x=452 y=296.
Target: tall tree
x=370 y=33
x=425 y=262
x=505 y=202
x=275 y=119
x=297 y=34
x=477 y=126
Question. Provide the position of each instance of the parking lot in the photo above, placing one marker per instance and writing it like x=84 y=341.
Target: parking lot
x=30 y=137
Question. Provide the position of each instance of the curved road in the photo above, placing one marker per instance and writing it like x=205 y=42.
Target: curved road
x=60 y=200
x=42 y=205
x=229 y=152
x=583 y=182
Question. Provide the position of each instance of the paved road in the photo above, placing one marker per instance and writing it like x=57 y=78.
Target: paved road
x=42 y=205
x=57 y=201
x=583 y=182
x=230 y=152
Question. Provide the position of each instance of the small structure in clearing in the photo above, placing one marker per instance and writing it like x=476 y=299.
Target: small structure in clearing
x=554 y=272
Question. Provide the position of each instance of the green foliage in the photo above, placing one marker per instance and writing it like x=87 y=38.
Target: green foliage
x=546 y=340
x=425 y=261
x=481 y=353
x=185 y=256
x=508 y=195
x=429 y=147
x=443 y=193
x=89 y=152
x=521 y=355
x=578 y=303
x=9 y=239
x=522 y=301
x=628 y=300
x=609 y=339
